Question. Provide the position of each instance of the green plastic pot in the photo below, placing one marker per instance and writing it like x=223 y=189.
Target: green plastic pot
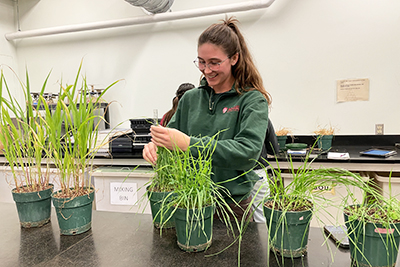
x=372 y=244
x=325 y=142
x=160 y=214
x=288 y=231
x=194 y=228
x=282 y=142
x=74 y=215
x=34 y=208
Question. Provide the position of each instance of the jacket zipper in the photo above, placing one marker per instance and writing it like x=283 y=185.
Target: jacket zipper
x=210 y=103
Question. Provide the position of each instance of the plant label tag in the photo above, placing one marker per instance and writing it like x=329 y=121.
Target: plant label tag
x=301 y=218
x=123 y=193
x=383 y=231
x=324 y=189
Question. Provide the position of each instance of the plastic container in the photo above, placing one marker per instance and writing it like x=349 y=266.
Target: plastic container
x=122 y=189
x=372 y=244
x=282 y=141
x=34 y=208
x=288 y=231
x=194 y=228
x=161 y=214
x=325 y=142
x=74 y=215
x=388 y=183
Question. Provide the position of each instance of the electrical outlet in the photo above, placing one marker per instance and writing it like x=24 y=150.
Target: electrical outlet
x=379 y=129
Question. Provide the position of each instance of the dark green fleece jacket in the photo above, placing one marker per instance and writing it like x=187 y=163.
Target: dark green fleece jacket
x=243 y=120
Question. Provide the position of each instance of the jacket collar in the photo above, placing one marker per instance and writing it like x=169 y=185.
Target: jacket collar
x=204 y=85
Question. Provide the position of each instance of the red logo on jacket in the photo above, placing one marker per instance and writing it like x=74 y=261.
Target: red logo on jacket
x=226 y=110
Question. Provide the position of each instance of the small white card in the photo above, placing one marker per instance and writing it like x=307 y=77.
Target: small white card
x=338 y=155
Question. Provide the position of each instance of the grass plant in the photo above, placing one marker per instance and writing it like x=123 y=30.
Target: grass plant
x=283 y=131
x=73 y=151
x=165 y=170
x=195 y=192
x=23 y=136
x=297 y=190
x=189 y=176
x=327 y=130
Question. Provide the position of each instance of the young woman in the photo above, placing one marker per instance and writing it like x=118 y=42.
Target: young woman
x=231 y=98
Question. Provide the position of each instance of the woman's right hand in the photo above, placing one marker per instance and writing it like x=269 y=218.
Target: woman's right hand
x=150 y=153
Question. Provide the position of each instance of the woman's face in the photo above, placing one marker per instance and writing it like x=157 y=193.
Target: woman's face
x=219 y=77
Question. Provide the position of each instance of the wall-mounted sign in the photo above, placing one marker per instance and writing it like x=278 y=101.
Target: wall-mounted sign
x=352 y=90
x=123 y=193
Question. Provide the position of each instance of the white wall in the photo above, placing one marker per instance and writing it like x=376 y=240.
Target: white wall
x=301 y=49
x=8 y=57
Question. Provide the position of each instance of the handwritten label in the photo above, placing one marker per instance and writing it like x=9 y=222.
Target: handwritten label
x=123 y=193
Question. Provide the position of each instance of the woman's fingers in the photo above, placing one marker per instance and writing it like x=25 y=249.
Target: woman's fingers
x=150 y=153
x=169 y=138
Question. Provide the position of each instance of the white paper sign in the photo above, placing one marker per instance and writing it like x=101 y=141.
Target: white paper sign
x=352 y=90
x=123 y=193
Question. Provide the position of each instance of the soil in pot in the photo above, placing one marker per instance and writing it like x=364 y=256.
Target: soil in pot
x=74 y=214
x=194 y=228
x=288 y=231
x=34 y=208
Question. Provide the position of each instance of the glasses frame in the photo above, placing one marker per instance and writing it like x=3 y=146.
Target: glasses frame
x=213 y=67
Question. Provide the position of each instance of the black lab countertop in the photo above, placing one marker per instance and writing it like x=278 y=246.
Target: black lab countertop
x=126 y=239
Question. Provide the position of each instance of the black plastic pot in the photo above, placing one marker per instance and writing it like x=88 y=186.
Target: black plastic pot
x=34 y=208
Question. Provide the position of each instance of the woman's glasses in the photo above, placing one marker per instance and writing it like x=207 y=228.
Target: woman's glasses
x=213 y=66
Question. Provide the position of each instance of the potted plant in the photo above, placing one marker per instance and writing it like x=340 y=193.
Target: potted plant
x=161 y=187
x=290 y=208
x=72 y=153
x=23 y=139
x=373 y=229
x=325 y=137
x=281 y=135
x=196 y=197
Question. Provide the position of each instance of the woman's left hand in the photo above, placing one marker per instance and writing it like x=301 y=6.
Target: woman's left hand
x=169 y=138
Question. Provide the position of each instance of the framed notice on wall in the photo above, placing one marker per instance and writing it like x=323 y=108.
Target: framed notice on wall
x=352 y=90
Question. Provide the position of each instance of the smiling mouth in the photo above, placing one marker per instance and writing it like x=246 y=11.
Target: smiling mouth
x=212 y=77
